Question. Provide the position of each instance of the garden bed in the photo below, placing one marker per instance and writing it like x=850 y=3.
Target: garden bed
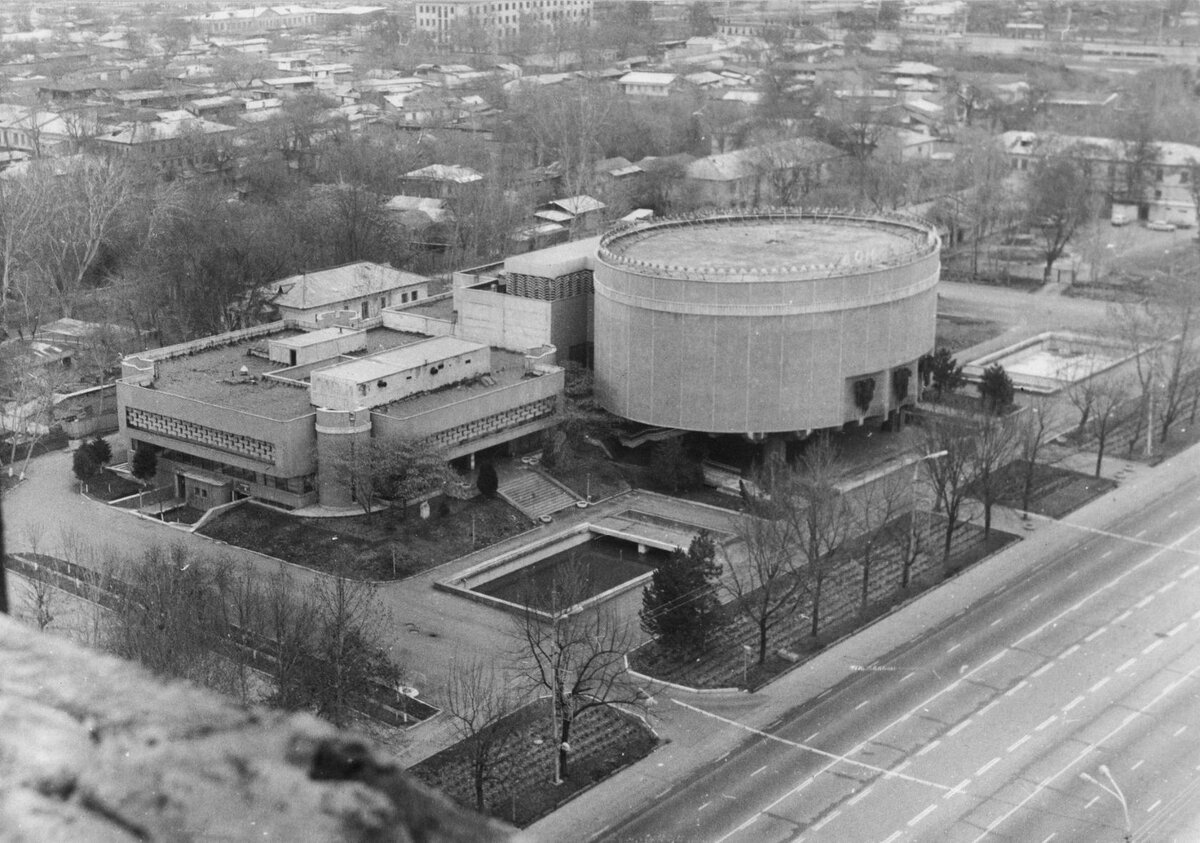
x=725 y=663
x=110 y=486
x=519 y=788
x=383 y=546
x=1056 y=491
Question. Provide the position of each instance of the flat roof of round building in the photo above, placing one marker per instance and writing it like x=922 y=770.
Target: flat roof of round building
x=766 y=243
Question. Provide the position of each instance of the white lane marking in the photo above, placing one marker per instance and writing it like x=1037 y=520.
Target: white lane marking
x=1122 y=616
x=995 y=658
x=705 y=805
x=995 y=622
x=759 y=770
x=955 y=647
x=957 y=789
x=1053 y=834
x=1074 y=648
x=922 y=815
x=1152 y=646
x=1072 y=704
x=893 y=837
x=1125 y=666
x=1035 y=597
x=1015 y=688
x=1179 y=731
x=1018 y=743
x=1096 y=634
x=1138 y=764
x=828 y=819
x=860 y=705
x=1189 y=572
x=903 y=765
x=1175 y=630
x=1082 y=754
x=987 y=708
x=1106 y=554
x=987 y=766
x=1073 y=574
x=1041 y=670
x=929 y=747
x=1091 y=802
x=1196 y=615
x=858 y=797
x=813 y=735
x=1141 y=604
x=1099 y=685
x=959 y=728
x=1173 y=514
x=1157 y=802
x=834 y=757
x=1045 y=723
x=1165 y=587
x=746 y=824
x=908 y=676
x=1138 y=535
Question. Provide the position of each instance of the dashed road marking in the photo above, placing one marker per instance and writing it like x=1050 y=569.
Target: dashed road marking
x=1126 y=665
x=1173 y=514
x=922 y=815
x=908 y=676
x=1141 y=604
x=1035 y=597
x=1106 y=554
x=959 y=727
x=1073 y=574
x=1122 y=616
x=1175 y=630
x=987 y=708
x=1018 y=743
x=929 y=747
x=1045 y=723
x=995 y=622
x=705 y=805
x=1138 y=764
x=1041 y=670
x=957 y=789
x=813 y=735
x=1072 y=704
x=1139 y=534
x=1157 y=802
x=858 y=797
x=1015 y=688
x=1074 y=648
x=1153 y=645
x=828 y=819
x=1094 y=635
x=987 y=766
x=1053 y=834
x=759 y=770
x=861 y=705
x=1189 y=572
x=893 y=837
x=1099 y=685
x=1165 y=587
x=1179 y=731
x=1091 y=802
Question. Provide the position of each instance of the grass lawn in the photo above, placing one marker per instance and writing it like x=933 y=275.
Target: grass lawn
x=958 y=332
x=107 y=486
x=382 y=546
x=519 y=788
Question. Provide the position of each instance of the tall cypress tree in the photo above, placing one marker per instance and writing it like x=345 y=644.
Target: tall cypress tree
x=679 y=604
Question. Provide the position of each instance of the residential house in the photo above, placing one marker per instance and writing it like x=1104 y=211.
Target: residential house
x=499 y=21
x=579 y=214
x=777 y=173
x=353 y=295
x=1167 y=178
x=649 y=84
x=182 y=145
x=442 y=181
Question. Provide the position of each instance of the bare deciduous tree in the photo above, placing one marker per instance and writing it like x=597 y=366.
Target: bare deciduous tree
x=478 y=700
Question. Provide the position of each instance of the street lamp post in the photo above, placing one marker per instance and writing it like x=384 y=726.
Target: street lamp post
x=912 y=514
x=1115 y=792
x=745 y=662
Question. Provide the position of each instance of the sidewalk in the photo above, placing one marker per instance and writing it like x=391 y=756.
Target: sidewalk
x=693 y=741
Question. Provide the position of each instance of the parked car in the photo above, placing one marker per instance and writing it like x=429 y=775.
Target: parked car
x=1160 y=225
x=1121 y=219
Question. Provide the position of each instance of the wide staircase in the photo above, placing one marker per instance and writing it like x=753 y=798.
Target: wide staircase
x=534 y=493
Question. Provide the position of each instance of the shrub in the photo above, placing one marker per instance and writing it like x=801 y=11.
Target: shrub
x=145 y=462
x=84 y=464
x=101 y=450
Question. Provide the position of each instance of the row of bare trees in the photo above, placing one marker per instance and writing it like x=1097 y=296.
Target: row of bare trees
x=322 y=646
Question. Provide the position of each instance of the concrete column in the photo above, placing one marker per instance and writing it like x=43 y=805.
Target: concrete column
x=339 y=433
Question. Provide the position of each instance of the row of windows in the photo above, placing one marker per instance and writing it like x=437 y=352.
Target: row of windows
x=520 y=6
x=298 y=485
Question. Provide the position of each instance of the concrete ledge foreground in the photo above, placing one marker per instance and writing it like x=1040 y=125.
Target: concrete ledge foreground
x=94 y=748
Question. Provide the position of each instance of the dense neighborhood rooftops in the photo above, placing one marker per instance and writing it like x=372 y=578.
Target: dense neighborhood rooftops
x=446 y=172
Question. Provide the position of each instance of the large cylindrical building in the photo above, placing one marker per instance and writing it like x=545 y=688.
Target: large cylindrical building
x=763 y=321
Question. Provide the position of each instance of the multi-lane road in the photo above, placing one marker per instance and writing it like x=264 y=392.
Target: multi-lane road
x=984 y=728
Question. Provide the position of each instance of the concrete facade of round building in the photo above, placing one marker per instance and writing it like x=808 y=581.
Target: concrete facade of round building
x=763 y=321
